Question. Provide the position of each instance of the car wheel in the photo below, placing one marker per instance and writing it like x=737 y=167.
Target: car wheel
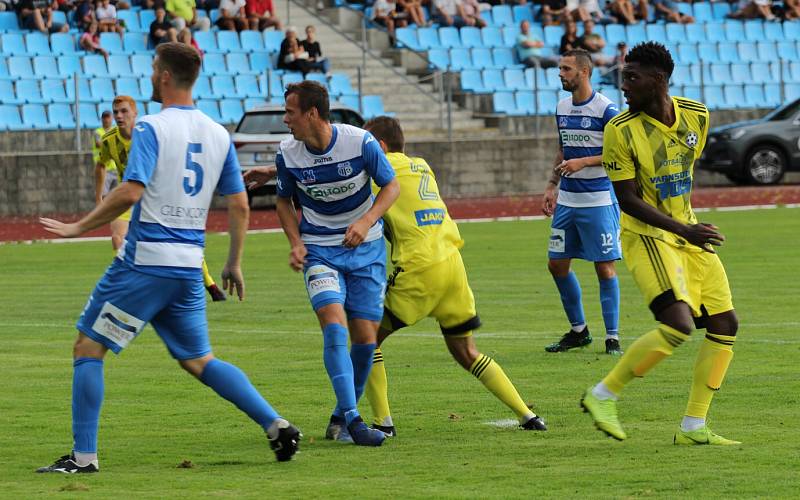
x=765 y=165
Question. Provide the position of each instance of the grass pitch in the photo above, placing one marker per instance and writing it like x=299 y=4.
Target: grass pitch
x=455 y=439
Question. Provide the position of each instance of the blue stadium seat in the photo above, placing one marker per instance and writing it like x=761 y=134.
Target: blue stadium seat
x=207 y=41
x=687 y=53
x=693 y=92
x=715 y=32
x=202 y=88
x=510 y=34
x=504 y=58
x=340 y=85
x=695 y=33
x=787 y=51
x=719 y=74
x=274 y=84
x=272 y=40
x=734 y=31
x=720 y=10
x=687 y=74
x=515 y=79
x=146 y=18
x=239 y=63
x=9 y=115
x=112 y=43
x=62 y=43
x=486 y=15
x=153 y=107
x=684 y=8
x=553 y=79
x=428 y=38
x=222 y=87
x=713 y=97
x=84 y=92
x=407 y=37
x=254 y=102
x=675 y=90
x=94 y=65
x=794 y=72
x=492 y=37
x=522 y=13
x=247 y=86
x=772 y=94
x=449 y=37
x=494 y=81
x=372 y=106
x=747 y=52
x=471 y=37
x=135 y=43
x=676 y=33
x=503 y=102
x=728 y=52
x=482 y=58
x=502 y=16
x=791 y=30
x=252 y=41
x=740 y=73
x=547 y=101
x=130 y=87
x=29 y=92
x=213 y=15
x=142 y=64
x=119 y=65
x=69 y=65
x=439 y=59
x=350 y=101
x=657 y=33
x=131 y=19
x=102 y=89
x=146 y=87
x=708 y=52
x=792 y=91
x=61 y=116
x=228 y=41
x=615 y=33
x=754 y=30
x=45 y=67
x=34 y=116
x=635 y=33
x=288 y=78
x=761 y=72
x=9 y=23
x=214 y=64
x=13 y=45
x=7 y=94
x=702 y=12
x=260 y=62
x=88 y=115
x=734 y=96
x=210 y=108
x=471 y=81
x=773 y=32
x=38 y=44
x=460 y=58
x=319 y=78
x=754 y=96
x=231 y=109
x=766 y=51
x=20 y=67
x=552 y=35
x=524 y=102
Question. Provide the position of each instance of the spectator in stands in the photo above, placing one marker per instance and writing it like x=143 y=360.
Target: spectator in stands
x=385 y=13
x=185 y=37
x=472 y=13
x=755 y=9
x=791 y=9
x=183 y=14
x=668 y=11
x=5 y=5
x=594 y=44
x=38 y=15
x=106 y=15
x=625 y=12
x=529 y=49
x=292 y=56
x=613 y=77
x=232 y=16
x=316 y=60
x=414 y=9
x=90 y=41
x=261 y=15
x=206 y=5
x=450 y=13
x=162 y=30
x=552 y=12
x=84 y=14
x=64 y=6
x=586 y=10
x=569 y=40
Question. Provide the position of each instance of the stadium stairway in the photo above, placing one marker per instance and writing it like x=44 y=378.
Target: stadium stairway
x=418 y=113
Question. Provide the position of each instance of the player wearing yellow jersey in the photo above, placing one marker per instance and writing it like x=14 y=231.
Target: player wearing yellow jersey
x=429 y=279
x=107 y=122
x=114 y=147
x=649 y=153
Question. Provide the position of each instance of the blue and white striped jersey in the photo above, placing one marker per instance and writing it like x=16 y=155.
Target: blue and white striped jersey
x=333 y=186
x=181 y=156
x=580 y=132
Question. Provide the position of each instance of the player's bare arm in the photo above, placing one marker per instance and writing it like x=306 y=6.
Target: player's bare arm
x=258 y=176
x=288 y=217
x=357 y=231
x=114 y=205
x=703 y=235
x=551 y=191
x=569 y=167
x=99 y=181
x=238 y=219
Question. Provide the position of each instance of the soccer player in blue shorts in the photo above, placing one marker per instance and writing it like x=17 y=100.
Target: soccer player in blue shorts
x=178 y=158
x=586 y=214
x=338 y=242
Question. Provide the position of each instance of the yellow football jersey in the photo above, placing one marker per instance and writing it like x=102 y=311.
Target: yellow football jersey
x=417 y=225
x=661 y=160
x=115 y=147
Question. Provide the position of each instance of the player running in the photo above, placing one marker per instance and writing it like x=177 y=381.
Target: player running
x=103 y=183
x=649 y=153
x=178 y=157
x=586 y=215
x=115 y=147
x=429 y=279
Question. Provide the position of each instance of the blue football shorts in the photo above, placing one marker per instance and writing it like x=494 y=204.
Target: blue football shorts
x=355 y=278
x=125 y=300
x=588 y=233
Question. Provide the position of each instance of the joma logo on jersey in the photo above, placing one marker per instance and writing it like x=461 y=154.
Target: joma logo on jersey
x=319 y=193
x=429 y=216
x=572 y=136
x=611 y=165
x=324 y=159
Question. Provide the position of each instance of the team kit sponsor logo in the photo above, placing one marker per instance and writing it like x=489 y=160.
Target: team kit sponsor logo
x=117 y=325
x=320 y=193
x=321 y=279
x=429 y=216
x=574 y=136
x=557 y=240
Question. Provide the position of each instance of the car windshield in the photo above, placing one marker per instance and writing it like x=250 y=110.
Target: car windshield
x=267 y=122
x=783 y=112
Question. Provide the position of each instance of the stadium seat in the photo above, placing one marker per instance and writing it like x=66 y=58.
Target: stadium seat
x=684 y=8
x=130 y=87
x=766 y=51
x=214 y=64
x=254 y=102
x=791 y=30
x=29 y=92
x=272 y=40
x=274 y=84
x=717 y=73
x=794 y=72
x=222 y=87
x=340 y=85
x=734 y=96
x=658 y=33
x=69 y=65
x=686 y=74
x=319 y=78
x=772 y=94
x=231 y=109
x=252 y=41
x=522 y=13
x=119 y=65
x=687 y=53
x=734 y=31
x=439 y=59
x=720 y=10
x=131 y=19
x=754 y=96
x=525 y=103
x=482 y=58
x=676 y=33
x=792 y=91
x=713 y=97
x=146 y=87
x=146 y=18
x=492 y=37
x=695 y=33
x=213 y=15
x=740 y=73
x=7 y=93
x=787 y=51
x=635 y=34
x=502 y=16
x=142 y=65
x=228 y=41
x=471 y=37
x=53 y=91
x=510 y=34
x=547 y=101
x=747 y=52
x=210 y=108
x=729 y=53
x=20 y=67
x=702 y=12
x=152 y=107
x=260 y=62
x=102 y=89
x=754 y=30
x=13 y=44
x=504 y=102
x=407 y=37
x=715 y=32
x=45 y=67
x=37 y=44
x=428 y=38
x=675 y=90
x=135 y=43
x=61 y=116
x=202 y=88
x=112 y=43
x=449 y=37
x=552 y=35
x=9 y=23
x=615 y=33
x=84 y=92
x=372 y=106
x=94 y=65
x=773 y=32
x=494 y=81
x=288 y=78
x=693 y=92
x=34 y=116
x=708 y=52
x=239 y=63
x=515 y=79
x=504 y=58
x=460 y=58
x=761 y=72
x=62 y=43
x=207 y=41
x=247 y=86
x=9 y=115
x=471 y=81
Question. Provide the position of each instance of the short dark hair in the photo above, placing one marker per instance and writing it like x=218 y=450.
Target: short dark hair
x=181 y=60
x=105 y=113
x=582 y=57
x=652 y=55
x=311 y=95
x=388 y=130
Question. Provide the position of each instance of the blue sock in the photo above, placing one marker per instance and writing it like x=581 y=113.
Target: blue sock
x=339 y=368
x=87 y=398
x=570 y=291
x=232 y=384
x=609 y=302
x=361 y=356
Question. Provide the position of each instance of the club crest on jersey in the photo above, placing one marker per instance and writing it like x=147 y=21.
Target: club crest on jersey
x=691 y=139
x=308 y=176
x=344 y=169
x=586 y=122
x=562 y=121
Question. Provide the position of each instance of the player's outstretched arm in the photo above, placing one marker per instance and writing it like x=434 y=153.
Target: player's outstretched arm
x=238 y=219
x=550 y=194
x=357 y=231
x=288 y=217
x=114 y=205
x=258 y=176
x=99 y=181
x=702 y=235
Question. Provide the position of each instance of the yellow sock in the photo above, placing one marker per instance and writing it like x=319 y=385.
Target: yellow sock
x=494 y=378
x=712 y=362
x=377 y=391
x=207 y=279
x=642 y=355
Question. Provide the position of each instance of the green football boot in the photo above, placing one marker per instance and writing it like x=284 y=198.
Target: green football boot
x=604 y=413
x=704 y=435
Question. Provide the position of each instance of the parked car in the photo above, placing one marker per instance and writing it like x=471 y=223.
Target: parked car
x=260 y=131
x=756 y=151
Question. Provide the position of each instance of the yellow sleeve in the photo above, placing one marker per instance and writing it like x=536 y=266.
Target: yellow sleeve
x=105 y=152
x=617 y=159
x=704 y=132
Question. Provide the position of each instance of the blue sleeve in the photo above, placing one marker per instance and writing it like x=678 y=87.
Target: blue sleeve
x=285 y=183
x=231 y=182
x=143 y=155
x=558 y=129
x=375 y=162
x=610 y=112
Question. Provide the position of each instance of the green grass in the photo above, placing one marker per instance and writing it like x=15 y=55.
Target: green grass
x=155 y=416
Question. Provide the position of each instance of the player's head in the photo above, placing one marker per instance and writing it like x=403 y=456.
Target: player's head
x=307 y=107
x=175 y=67
x=387 y=130
x=524 y=27
x=106 y=118
x=124 y=108
x=645 y=76
x=574 y=69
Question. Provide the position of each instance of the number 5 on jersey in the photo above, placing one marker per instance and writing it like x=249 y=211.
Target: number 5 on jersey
x=193 y=174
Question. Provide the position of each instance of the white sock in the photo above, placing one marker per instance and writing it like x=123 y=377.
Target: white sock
x=601 y=392
x=578 y=328
x=689 y=424
x=387 y=422
x=614 y=336
x=84 y=459
x=276 y=426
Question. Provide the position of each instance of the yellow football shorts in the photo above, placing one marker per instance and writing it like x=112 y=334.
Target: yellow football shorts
x=665 y=273
x=126 y=216
x=440 y=291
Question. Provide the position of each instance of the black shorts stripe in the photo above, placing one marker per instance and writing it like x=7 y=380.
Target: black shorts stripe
x=655 y=261
x=662 y=302
x=481 y=365
x=471 y=324
x=719 y=340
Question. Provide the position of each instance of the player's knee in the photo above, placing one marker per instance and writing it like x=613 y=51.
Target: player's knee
x=195 y=366
x=726 y=323
x=605 y=270
x=463 y=350
x=86 y=347
x=558 y=267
